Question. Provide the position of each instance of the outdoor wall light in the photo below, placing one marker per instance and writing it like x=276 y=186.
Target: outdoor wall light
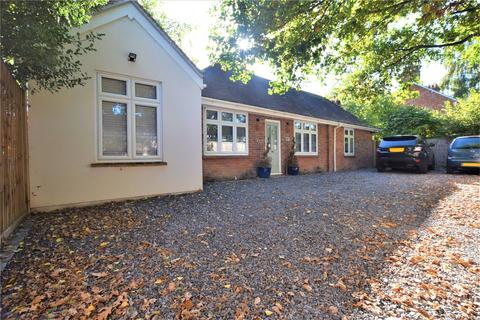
x=132 y=57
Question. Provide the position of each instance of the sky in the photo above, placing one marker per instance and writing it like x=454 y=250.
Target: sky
x=196 y=13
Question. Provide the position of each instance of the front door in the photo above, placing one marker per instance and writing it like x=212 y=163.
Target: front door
x=272 y=140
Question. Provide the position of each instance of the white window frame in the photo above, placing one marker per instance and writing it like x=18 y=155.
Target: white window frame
x=219 y=123
x=302 y=131
x=131 y=101
x=349 y=134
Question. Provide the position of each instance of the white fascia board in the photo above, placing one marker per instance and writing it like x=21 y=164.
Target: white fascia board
x=128 y=9
x=280 y=114
x=436 y=92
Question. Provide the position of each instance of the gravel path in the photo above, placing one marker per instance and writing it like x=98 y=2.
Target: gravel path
x=321 y=246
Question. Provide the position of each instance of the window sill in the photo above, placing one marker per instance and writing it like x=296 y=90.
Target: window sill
x=225 y=155
x=349 y=155
x=306 y=154
x=128 y=164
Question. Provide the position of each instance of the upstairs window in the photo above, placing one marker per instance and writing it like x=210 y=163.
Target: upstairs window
x=305 y=138
x=129 y=119
x=349 y=142
x=225 y=132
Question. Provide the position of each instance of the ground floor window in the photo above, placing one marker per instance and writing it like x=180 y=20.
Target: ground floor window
x=349 y=144
x=305 y=138
x=225 y=132
x=129 y=118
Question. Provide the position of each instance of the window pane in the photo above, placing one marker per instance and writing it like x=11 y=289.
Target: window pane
x=314 y=143
x=306 y=142
x=298 y=125
x=212 y=137
x=114 y=86
x=114 y=128
x=241 y=139
x=346 y=145
x=212 y=115
x=227 y=116
x=351 y=145
x=306 y=126
x=146 y=131
x=227 y=138
x=298 y=142
x=145 y=91
x=241 y=118
x=313 y=127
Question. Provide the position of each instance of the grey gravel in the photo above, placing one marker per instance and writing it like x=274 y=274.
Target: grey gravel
x=304 y=242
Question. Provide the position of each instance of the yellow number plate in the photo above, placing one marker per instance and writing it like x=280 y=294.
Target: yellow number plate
x=396 y=149
x=470 y=164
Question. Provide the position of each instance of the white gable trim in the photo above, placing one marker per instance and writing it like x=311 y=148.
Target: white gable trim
x=281 y=114
x=436 y=92
x=134 y=12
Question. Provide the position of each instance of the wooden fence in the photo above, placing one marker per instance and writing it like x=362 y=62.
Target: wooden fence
x=14 y=192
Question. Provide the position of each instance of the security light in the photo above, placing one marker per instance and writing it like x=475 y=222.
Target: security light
x=132 y=57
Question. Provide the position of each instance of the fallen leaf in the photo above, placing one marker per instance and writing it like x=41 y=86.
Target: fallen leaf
x=268 y=313
x=333 y=310
x=99 y=274
x=307 y=287
x=89 y=310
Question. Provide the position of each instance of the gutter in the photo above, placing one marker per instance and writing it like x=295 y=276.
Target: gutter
x=335 y=147
x=275 y=113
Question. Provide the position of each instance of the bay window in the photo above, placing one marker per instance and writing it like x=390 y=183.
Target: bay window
x=305 y=138
x=349 y=142
x=129 y=117
x=225 y=132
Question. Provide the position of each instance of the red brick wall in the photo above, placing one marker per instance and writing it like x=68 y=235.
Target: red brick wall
x=428 y=99
x=364 y=147
x=241 y=167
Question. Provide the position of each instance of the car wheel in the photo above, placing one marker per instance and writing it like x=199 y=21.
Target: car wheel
x=432 y=166
x=423 y=168
x=381 y=169
x=449 y=170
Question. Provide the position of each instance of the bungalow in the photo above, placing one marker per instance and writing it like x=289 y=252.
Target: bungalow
x=135 y=129
x=240 y=119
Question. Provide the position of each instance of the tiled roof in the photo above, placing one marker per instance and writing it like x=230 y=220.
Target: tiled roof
x=255 y=93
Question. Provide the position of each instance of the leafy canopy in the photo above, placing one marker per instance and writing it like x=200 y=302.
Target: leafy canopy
x=464 y=117
x=37 y=42
x=463 y=69
x=175 y=29
x=372 y=42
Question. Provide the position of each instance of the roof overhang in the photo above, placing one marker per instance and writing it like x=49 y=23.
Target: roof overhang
x=280 y=114
x=134 y=11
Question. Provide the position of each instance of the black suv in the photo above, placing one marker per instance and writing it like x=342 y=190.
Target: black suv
x=402 y=152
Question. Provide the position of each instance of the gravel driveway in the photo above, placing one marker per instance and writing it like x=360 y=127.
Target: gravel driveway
x=318 y=246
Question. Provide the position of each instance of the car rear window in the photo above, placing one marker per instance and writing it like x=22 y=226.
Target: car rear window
x=396 y=141
x=467 y=143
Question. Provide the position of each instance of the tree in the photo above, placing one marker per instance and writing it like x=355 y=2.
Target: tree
x=175 y=30
x=412 y=120
x=463 y=118
x=463 y=69
x=373 y=42
x=37 y=42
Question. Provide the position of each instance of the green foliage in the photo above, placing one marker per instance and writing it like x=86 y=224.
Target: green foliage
x=463 y=66
x=38 y=44
x=464 y=117
x=387 y=113
x=374 y=43
x=175 y=30
x=412 y=120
